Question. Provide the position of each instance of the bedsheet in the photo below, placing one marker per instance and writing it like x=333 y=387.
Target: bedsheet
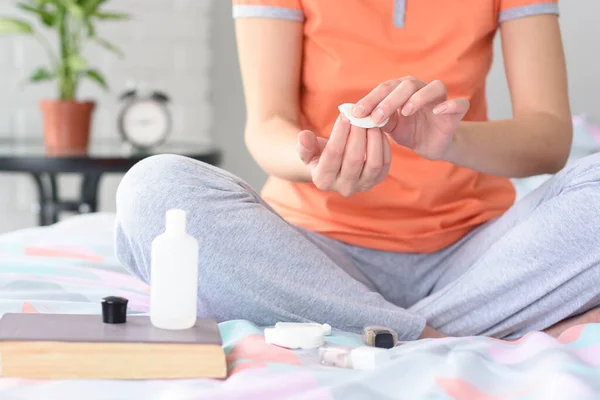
x=61 y=269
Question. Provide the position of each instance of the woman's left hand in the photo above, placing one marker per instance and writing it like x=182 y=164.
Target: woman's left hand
x=421 y=116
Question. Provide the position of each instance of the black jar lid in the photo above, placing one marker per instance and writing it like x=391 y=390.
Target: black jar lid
x=114 y=310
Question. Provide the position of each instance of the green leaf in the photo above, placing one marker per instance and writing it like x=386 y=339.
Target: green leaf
x=72 y=7
x=96 y=77
x=75 y=11
x=46 y=16
x=76 y=63
x=110 y=15
x=91 y=31
x=109 y=46
x=41 y=74
x=91 y=6
x=13 y=25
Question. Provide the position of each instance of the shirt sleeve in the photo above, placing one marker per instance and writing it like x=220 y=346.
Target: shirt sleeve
x=281 y=9
x=512 y=9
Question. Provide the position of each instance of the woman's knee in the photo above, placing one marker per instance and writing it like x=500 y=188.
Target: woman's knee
x=162 y=182
x=582 y=172
x=144 y=194
x=145 y=185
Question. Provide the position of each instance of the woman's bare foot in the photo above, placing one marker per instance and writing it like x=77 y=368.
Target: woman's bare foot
x=590 y=317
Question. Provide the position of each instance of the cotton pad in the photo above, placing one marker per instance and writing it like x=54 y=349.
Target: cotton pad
x=366 y=122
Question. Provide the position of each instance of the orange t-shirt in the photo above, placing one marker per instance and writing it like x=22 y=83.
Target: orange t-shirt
x=352 y=46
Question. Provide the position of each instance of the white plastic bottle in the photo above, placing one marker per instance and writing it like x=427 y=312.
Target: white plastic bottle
x=174 y=275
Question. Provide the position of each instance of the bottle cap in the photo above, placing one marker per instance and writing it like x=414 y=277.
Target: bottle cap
x=379 y=336
x=114 y=310
x=365 y=358
x=175 y=220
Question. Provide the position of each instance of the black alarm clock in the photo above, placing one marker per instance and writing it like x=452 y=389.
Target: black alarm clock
x=145 y=120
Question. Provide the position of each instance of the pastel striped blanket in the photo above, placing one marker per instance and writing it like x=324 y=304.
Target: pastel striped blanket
x=61 y=270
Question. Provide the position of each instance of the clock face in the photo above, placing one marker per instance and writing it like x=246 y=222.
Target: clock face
x=145 y=123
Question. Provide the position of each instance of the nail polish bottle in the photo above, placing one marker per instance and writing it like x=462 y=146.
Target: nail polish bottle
x=360 y=358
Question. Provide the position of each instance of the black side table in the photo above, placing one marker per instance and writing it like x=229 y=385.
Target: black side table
x=29 y=156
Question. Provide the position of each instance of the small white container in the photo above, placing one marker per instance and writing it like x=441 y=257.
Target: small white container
x=297 y=335
x=174 y=275
x=292 y=325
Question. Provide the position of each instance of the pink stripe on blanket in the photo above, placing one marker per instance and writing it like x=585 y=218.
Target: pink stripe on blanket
x=459 y=389
x=60 y=253
x=252 y=352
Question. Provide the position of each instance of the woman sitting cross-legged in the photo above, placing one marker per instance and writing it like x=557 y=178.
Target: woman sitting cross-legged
x=411 y=225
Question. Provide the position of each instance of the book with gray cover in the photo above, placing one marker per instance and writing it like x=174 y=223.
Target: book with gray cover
x=82 y=346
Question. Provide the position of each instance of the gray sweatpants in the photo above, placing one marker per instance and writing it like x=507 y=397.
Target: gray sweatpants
x=536 y=265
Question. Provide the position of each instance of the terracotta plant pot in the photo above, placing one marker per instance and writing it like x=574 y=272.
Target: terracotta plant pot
x=67 y=125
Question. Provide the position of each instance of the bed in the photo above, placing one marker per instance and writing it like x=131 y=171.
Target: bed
x=70 y=266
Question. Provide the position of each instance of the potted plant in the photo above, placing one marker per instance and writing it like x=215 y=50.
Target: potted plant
x=67 y=120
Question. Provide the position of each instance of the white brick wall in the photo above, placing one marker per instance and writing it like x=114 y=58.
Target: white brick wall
x=166 y=45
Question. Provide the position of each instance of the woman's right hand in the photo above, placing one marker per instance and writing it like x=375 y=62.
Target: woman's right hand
x=352 y=160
